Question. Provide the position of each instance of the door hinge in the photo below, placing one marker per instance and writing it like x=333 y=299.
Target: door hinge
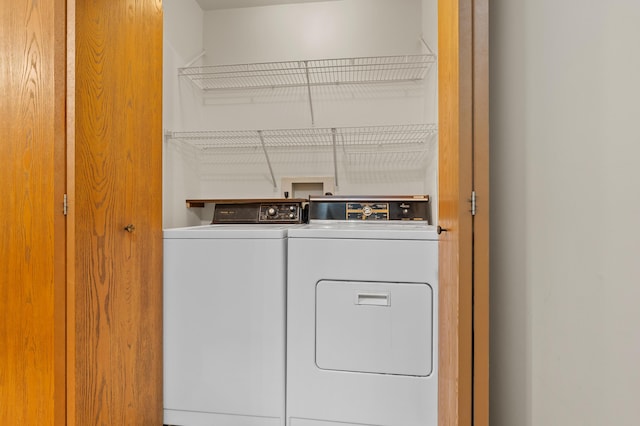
x=65 y=205
x=473 y=203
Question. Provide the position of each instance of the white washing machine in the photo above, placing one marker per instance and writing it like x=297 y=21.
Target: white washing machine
x=362 y=315
x=224 y=320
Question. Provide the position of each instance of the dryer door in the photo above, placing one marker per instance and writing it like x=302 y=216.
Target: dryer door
x=372 y=327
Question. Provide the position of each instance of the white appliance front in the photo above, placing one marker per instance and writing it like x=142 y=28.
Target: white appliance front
x=224 y=325
x=373 y=327
x=362 y=325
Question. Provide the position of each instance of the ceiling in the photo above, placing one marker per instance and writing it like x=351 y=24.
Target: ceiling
x=229 y=4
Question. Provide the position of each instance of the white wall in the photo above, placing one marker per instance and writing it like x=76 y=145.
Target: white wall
x=334 y=29
x=182 y=43
x=565 y=241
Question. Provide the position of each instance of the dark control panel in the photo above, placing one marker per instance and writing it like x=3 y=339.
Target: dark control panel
x=362 y=208
x=280 y=213
x=367 y=211
x=267 y=211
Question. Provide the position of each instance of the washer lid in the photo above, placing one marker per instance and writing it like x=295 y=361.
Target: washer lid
x=252 y=231
x=366 y=230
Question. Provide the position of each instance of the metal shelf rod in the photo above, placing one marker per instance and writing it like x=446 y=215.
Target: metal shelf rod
x=306 y=68
x=266 y=156
x=335 y=156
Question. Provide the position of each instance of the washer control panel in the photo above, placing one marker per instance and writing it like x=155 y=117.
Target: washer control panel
x=280 y=212
x=258 y=211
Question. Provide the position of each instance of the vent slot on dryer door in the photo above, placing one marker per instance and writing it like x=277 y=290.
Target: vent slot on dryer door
x=370 y=327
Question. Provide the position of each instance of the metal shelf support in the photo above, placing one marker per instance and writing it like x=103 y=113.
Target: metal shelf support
x=306 y=71
x=266 y=156
x=335 y=155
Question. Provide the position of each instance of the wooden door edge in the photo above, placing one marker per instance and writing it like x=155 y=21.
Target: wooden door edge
x=70 y=230
x=481 y=219
x=60 y=184
x=455 y=181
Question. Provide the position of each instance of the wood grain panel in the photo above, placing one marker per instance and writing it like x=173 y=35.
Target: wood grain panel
x=455 y=186
x=118 y=166
x=481 y=219
x=32 y=235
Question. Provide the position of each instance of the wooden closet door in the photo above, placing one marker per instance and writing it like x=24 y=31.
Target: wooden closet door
x=116 y=288
x=32 y=228
x=464 y=246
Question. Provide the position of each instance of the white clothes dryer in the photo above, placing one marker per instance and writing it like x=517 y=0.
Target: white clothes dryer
x=362 y=317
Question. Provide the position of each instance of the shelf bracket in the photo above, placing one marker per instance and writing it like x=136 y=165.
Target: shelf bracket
x=168 y=135
x=306 y=71
x=334 y=137
x=426 y=45
x=194 y=60
x=266 y=156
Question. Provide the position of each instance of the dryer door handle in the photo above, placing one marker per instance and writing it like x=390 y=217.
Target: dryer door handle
x=373 y=299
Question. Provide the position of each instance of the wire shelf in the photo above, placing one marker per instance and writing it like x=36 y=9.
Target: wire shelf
x=374 y=69
x=358 y=144
x=231 y=139
x=383 y=137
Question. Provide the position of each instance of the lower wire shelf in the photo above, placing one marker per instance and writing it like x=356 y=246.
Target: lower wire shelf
x=363 y=143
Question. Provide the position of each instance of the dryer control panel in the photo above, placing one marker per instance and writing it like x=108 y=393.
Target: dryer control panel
x=370 y=208
x=367 y=211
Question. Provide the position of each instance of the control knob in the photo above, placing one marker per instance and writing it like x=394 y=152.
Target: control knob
x=271 y=211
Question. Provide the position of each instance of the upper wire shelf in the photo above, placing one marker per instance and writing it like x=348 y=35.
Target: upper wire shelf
x=373 y=69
